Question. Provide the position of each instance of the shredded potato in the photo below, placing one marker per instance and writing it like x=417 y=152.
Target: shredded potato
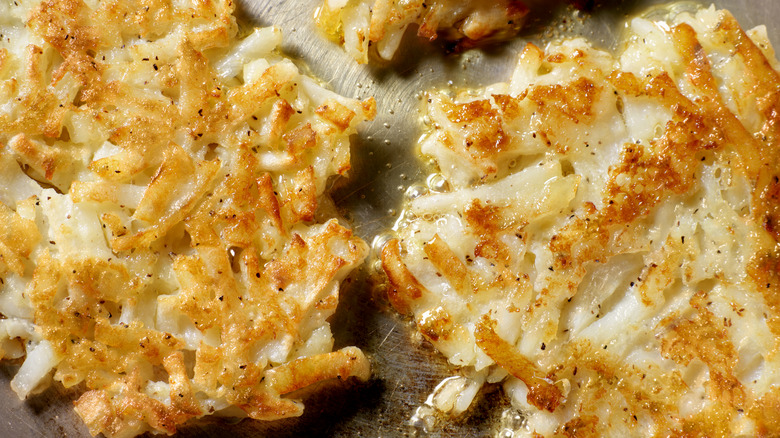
x=166 y=238
x=358 y=24
x=607 y=244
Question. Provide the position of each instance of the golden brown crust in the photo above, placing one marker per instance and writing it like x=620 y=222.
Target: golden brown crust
x=303 y=372
x=704 y=337
x=448 y=263
x=541 y=393
x=404 y=287
x=765 y=412
x=18 y=237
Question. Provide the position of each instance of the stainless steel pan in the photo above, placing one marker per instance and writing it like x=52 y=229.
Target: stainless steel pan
x=405 y=368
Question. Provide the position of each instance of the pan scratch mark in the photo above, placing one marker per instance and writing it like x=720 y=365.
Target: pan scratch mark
x=355 y=191
x=371 y=222
x=386 y=336
x=397 y=384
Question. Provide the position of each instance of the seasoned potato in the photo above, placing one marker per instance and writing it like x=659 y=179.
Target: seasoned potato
x=606 y=243
x=167 y=238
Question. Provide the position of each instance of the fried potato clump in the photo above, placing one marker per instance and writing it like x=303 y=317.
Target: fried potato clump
x=166 y=237
x=359 y=24
x=606 y=243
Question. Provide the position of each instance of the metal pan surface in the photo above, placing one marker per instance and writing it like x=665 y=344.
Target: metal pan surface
x=385 y=165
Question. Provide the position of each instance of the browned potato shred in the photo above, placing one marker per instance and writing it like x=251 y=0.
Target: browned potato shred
x=166 y=237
